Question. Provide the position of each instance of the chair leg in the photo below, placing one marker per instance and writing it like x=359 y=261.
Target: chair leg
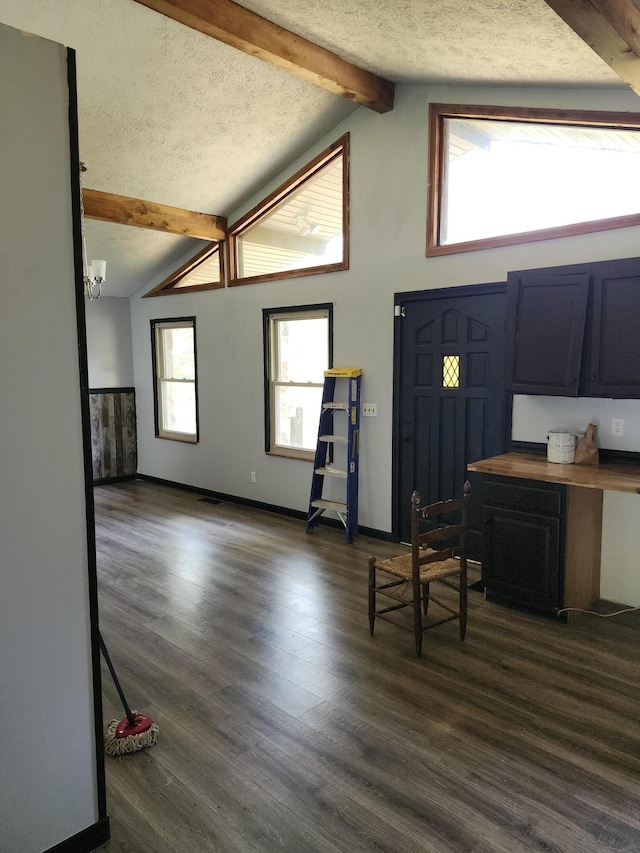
x=425 y=598
x=463 y=602
x=417 y=619
x=372 y=593
x=419 y=645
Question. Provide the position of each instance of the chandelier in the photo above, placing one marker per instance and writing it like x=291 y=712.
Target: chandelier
x=94 y=272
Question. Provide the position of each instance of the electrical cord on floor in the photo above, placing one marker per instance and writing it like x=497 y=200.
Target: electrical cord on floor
x=594 y=613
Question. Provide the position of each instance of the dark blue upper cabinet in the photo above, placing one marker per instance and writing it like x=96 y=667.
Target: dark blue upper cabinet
x=546 y=317
x=614 y=352
x=575 y=330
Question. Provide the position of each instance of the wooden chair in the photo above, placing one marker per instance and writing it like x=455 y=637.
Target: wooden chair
x=414 y=572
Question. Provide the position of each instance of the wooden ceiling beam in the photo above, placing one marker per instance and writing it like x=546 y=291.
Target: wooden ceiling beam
x=230 y=23
x=611 y=28
x=146 y=214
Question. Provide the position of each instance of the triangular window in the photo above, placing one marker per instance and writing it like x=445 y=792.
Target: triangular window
x=202 y=272
x=301 y=228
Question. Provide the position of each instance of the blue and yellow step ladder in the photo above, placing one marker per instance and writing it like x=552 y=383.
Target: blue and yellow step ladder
x=338 y=448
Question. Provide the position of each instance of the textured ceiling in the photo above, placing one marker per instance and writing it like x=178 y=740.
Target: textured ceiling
x=172 y=116
x=410 y=41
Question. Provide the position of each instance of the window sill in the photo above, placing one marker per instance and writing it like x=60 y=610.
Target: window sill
x=284 y=274
x=185 y=439
x=292 y=453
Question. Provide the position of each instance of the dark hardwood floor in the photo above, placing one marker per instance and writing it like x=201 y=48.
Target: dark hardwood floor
x=286 y=727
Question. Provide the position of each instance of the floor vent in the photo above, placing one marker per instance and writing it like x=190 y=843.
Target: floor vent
x=210 y=501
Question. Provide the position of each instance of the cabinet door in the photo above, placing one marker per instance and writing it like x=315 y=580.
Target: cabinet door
x=522 y=558
x=545 y=328
x=614 y=364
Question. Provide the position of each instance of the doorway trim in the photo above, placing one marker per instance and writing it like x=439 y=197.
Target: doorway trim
x=98 y=833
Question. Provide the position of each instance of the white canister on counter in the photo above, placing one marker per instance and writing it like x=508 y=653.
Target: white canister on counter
x=561 y=447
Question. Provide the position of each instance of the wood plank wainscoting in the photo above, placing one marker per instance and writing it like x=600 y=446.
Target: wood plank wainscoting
x=286 y=727
x=113 y=434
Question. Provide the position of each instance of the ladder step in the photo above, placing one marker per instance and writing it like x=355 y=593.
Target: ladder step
x=324 y=504
x=336 y=439
x=333 y=472
x=344 y=371
x=342 y=407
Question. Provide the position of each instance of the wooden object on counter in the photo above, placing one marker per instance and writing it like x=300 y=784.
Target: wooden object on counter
x=586 y=451
x=530 y=466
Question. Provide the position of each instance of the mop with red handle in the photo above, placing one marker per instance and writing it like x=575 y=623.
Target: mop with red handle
x=133 y=732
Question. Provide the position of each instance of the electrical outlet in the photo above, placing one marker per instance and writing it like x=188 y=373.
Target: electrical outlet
x=369 y=410
x=253 y=477
x=617 y=426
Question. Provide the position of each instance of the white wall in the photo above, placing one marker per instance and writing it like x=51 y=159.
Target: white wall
x=534 y=416
x=620 y=575
x=109 y=351
x=47 y=753
x=388 y=235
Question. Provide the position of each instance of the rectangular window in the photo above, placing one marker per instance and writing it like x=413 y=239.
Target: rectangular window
x=298 y=349
x=300 y=229
x=502 y=175
x=173 y=345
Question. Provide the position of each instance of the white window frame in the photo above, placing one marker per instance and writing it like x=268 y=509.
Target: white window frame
x=158 y=327
x=272 y=316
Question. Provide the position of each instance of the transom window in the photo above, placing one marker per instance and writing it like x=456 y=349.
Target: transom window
x=301 y=228
x=173 y=344
x=297 y=352
x=501 y=175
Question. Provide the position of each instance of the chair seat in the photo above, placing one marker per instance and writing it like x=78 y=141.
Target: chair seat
x=402 y=567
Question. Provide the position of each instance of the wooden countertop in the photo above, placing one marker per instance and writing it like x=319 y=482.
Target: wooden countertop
x=530 y=466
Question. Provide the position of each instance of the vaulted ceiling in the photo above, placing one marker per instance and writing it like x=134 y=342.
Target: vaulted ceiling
x=171 y=115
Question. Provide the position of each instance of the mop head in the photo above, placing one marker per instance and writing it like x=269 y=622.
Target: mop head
x=122 y=738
